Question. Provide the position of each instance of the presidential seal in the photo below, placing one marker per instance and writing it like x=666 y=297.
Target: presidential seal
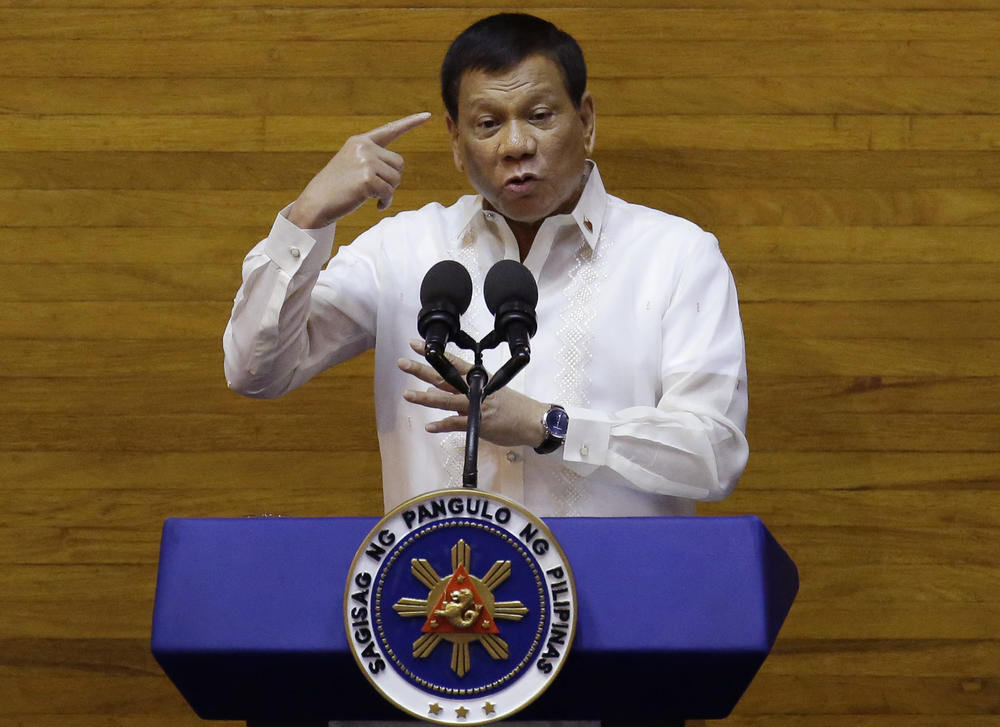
x=460 y=607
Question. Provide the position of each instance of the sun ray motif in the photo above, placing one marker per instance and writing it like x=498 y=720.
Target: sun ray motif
x=410 y=607
x=460 y=658
x=423 y=646
x=424 y=572
x=459 y=608
x=497 y=574
x=495 y=646
x=461 y=553
x=510 y=610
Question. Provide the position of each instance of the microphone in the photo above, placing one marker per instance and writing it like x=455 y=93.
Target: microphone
x=511 y=295
x=445 y=294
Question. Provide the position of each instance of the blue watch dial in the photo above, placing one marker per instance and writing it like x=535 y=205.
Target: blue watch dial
x=557 y=422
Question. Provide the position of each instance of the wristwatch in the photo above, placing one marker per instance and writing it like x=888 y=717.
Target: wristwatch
x=555 y=422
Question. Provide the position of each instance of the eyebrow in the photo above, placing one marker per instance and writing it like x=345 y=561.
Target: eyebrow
x=546 y=93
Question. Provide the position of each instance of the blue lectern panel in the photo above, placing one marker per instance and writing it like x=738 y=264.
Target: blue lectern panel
x=676 y=616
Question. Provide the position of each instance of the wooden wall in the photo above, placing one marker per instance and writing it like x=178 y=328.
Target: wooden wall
x=846 y=152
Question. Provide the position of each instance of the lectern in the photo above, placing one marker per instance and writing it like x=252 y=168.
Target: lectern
x=675 y=617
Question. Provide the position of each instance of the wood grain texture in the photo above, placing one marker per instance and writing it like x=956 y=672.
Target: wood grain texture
x=758 y=282
x=487 y=6
x=845 y=152
x=240 y=59
x=743 y=244
x=285 y=133
x=437 y=24
x=687 y=168
x=326 y=95
x=800 y=207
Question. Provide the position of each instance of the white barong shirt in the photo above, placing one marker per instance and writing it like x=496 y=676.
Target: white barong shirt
x=639 y=338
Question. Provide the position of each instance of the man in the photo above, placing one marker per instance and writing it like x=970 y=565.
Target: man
x=639 y=337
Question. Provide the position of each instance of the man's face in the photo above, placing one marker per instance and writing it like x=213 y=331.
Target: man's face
x=521 y=141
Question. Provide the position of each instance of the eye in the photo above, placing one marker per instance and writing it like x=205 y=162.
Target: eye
x=487 y=123
x=542 y=114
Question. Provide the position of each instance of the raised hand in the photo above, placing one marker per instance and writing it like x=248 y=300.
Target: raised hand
x=364 y=168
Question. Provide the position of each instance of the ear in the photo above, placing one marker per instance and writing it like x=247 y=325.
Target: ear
x=455 y=151
x=588 y=118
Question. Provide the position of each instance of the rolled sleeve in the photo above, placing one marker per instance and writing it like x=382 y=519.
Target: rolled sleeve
x=269 y=346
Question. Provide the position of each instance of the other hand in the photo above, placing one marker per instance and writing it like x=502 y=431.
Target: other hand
x=363 y=169
x=509 y=419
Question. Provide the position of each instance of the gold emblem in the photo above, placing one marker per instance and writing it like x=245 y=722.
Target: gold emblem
x=460 y=608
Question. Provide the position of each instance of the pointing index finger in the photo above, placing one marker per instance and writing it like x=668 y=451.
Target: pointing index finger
x=385 y=135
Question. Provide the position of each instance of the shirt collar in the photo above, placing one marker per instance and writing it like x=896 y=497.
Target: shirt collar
x=588 y=214
x=590 y=209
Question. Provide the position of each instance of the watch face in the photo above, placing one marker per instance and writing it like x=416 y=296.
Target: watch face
x=557 y=422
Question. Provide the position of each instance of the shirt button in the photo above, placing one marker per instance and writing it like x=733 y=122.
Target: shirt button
x=584 y=450
x=512 y=456
x=488 y=215
x=294 y=251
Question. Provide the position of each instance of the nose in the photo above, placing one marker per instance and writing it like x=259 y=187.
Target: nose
x=517 y=140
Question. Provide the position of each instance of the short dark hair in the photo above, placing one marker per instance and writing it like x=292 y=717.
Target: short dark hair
x=502 y=41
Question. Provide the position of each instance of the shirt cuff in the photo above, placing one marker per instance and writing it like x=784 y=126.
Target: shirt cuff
x=291 y=247
x=587 y=437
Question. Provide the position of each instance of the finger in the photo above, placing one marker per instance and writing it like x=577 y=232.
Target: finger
x=390 y=176
x=382 y=190
x=388 y=156
x=385 y=135
x=460 y=365
x=437 y=399
x=384 y=185
x=426 y=374
x=448 y=424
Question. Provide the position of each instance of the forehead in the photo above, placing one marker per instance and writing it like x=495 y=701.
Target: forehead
x=536 y=75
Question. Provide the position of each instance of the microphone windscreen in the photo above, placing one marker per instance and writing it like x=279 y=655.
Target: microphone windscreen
x=509 y=280
x=447 y=281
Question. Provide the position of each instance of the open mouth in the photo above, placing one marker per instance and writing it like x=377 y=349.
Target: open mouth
x=521 y=182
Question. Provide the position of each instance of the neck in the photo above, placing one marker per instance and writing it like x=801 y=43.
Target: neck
x=524 y=233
